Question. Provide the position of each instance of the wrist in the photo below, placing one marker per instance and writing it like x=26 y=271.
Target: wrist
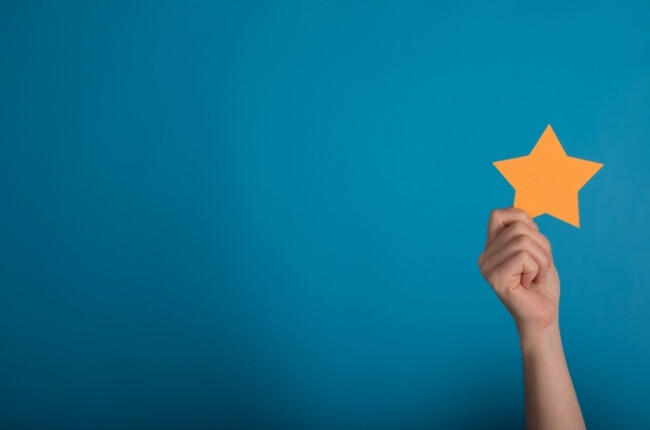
x=539 y=339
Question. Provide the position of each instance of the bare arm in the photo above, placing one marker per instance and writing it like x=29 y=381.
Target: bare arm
x=517 y=262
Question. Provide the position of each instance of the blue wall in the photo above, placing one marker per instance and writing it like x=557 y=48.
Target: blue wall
x=249 y=215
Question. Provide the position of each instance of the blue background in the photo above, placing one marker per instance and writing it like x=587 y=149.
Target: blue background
x=268 y=215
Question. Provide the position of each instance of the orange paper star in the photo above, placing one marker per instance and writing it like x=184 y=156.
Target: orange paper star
x=547 y=180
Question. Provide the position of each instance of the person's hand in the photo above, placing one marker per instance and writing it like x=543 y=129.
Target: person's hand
x=518 y=264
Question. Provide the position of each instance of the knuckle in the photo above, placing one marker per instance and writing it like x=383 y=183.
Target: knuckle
x=523 y=213
x=544 y=261
x=545 y=244
x=523 y=242
x=543 y=238
x=492 y=278
x=519 y=214
x=522 y=227
x=517 y=228
x=548 y=243
x=494 y=215
x=521 y=255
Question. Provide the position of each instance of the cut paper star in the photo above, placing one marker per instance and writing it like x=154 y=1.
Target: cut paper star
x=547 y=180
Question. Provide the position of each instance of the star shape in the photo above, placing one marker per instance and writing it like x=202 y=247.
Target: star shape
x=547 y=180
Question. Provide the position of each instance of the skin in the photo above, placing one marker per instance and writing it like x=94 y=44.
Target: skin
x=518 y=264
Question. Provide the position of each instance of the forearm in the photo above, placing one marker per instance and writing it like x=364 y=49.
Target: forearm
x=550 y=399
x=518 y=264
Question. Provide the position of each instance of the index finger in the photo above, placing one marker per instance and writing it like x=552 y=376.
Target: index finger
x=502 y=218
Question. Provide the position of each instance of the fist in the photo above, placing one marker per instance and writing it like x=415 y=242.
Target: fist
x=518 y=264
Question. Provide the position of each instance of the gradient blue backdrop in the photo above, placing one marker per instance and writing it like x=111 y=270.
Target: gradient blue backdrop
x=268 y=215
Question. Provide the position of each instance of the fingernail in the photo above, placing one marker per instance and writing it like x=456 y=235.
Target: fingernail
x=534 y=225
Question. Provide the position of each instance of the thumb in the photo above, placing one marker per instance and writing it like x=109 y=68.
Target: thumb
x=524 y=266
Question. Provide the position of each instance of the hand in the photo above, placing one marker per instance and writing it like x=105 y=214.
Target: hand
x=518 y=264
